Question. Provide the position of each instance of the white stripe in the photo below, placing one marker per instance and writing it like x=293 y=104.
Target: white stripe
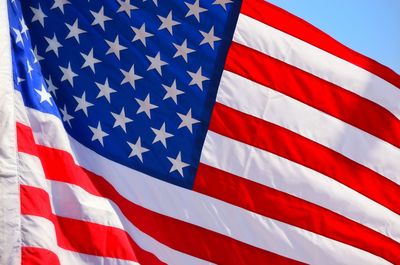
x=39 y=232
x=41 y=122
x=71 y=201
x=267 y=104
x=268 y=40
x=31 y=172
x=281 y=174
x=20 y=111
x=215 y=215
x=9 y=187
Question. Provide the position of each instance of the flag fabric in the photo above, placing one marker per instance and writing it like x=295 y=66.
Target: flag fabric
x=192 y=132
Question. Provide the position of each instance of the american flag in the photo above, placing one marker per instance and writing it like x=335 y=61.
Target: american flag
x=192 y=132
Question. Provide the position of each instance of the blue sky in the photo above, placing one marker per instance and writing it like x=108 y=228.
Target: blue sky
x=371 y=27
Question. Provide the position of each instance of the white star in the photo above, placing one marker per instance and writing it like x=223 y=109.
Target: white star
x=68 y=74
x=30 y=69
x=125 y=6
x=51 y=87
x=74 y=31
x=115 y=47
x=177 y=164
x=130 y=77
x=182 y=50
x=60 y=4
x=38 y=15
x=209 y=38
x=89 y=60
x=156 y=63
x=161 y=135
x=187 y=120
x=195 y=9
x=98 y=133
x=82 y=104
x=24 y=28
x=20 y=80
x=197 y=78
x=141 y=34
x=222 y=3
x=167 y=22
x=99 y=18
x=145 y=106
x=121 y=120
x=66 y=117
x=44 y=95
x=172 y=92
x=18 y=37
x=53 y=44
x=137 y=149
x=37 y=57
x=105 y=90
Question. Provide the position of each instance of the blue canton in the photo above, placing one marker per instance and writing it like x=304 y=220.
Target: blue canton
x=135 y=81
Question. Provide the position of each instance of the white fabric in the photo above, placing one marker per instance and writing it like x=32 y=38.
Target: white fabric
x=9 y=189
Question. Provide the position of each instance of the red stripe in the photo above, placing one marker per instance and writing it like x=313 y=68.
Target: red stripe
x=185 y=237
x=292 y=25
x=292 y=210
x=38 y=256
x=282 y=142
x=314 y=91
x=73 y=234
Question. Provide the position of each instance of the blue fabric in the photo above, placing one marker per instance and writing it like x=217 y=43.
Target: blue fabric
x=115 y=145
